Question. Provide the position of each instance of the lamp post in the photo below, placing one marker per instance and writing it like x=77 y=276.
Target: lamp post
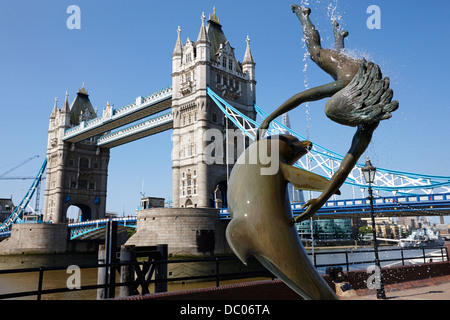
x=368 y=172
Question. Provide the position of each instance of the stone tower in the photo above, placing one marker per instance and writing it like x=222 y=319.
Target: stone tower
x=76 y=173
x=209 y=61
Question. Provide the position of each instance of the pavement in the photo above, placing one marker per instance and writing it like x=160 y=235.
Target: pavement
x=437 y=288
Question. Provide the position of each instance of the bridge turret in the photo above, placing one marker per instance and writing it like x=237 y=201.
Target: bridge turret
x=76 y=172
x=248 y=67
x=203 y=44
x=202 y=59
x=209 y=62
x=177 y=57
x=65 y=112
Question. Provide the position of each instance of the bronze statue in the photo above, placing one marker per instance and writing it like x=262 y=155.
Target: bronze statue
x=261 y=222
x=359 y=97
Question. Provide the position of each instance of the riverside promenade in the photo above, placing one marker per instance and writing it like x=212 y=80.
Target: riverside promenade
x=429 y=281
x=428 y=289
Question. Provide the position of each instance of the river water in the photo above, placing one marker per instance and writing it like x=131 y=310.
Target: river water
x=21 y=282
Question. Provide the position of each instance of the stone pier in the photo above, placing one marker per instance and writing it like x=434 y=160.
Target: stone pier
x=36 y=238
x=186 y=231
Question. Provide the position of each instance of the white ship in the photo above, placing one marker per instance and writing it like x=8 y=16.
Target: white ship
x=423 y=237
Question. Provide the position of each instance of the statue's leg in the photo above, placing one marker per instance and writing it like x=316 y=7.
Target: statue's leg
x=331 y=61
x=312 y=94
x=339 y=36
x=312 y=36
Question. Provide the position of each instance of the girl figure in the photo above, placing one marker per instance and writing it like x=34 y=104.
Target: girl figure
x=359 y=97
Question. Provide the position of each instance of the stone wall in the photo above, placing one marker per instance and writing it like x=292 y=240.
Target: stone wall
x=186 y=231
x=36 y=238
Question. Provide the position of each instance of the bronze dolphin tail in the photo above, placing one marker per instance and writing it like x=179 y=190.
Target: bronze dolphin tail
x=261 y=218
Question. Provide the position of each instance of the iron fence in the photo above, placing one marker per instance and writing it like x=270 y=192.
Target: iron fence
x=217 y=277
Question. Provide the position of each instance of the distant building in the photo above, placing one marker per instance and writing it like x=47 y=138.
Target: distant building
x=327 y=229
x=151 y=202
x=411 y=223
x=295 y=195
x=6 y=208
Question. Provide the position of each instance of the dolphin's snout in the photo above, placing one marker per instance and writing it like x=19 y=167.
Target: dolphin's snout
x=304 y=146
x=298 y=150
x=307 y=145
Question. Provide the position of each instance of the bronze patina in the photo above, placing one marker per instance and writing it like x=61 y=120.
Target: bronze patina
x=359 y=97
x=262 y=222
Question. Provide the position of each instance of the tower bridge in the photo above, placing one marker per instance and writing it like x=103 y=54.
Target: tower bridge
x=116 y=118
x=211 y=89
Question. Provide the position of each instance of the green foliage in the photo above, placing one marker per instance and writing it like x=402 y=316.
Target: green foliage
x=365 y=230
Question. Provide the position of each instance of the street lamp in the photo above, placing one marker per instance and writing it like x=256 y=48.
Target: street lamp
x=368 y=172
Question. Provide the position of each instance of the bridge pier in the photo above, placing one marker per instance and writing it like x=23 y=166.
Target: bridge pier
x=186 y=231
x=41 y=238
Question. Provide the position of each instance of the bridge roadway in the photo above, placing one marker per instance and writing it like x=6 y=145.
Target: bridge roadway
x=143 y=107
x=412 y=205
x=397 y=206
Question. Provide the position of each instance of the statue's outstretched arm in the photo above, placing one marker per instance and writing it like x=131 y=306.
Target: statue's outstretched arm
x=312 y=94
x=360 y=142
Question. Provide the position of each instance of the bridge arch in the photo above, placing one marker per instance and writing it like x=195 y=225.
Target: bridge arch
x=219 y=194
x=78 y=213
x=188 y=204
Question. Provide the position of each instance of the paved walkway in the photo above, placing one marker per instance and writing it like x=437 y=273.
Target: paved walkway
x=430 y=289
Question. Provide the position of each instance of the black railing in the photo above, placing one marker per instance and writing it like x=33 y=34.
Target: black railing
x=443 y=256
x=217 y=276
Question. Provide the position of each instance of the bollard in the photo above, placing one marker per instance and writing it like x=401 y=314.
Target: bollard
x=110 y=258
x=101 y=272
x=161 y=269
x=127 y=254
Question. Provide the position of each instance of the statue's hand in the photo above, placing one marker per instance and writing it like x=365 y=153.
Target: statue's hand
x=262 y=129
x=313 y=206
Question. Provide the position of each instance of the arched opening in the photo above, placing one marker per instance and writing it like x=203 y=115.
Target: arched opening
x=78 y=213
x=220 y=195
x=189 y=204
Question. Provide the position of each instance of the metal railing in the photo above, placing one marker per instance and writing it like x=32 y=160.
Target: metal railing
x=217 y=276
x=443 y=256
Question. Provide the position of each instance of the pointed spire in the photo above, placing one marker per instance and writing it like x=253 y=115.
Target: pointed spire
x=178 y=46
x=248 y=58
x=65 y=107
x=286 y=121
x=202 y=37
x=82 y=90
x=213 y=17
x=55 y=108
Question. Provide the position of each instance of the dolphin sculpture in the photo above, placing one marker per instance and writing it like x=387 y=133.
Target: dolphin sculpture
x=261 y=223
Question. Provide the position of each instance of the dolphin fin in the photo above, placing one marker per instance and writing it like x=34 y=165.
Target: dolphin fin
x=237 y=238
x=302 y=179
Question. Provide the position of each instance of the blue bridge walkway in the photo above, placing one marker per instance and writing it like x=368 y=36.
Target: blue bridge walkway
x=417 y=205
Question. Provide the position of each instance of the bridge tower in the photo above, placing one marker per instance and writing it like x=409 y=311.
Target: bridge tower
x=210 y=61
x=76 y=172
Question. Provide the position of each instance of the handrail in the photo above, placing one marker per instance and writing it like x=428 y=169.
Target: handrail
x=217 y=276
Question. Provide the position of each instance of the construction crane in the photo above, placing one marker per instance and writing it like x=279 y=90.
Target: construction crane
x=38 y=187
x=2 y=176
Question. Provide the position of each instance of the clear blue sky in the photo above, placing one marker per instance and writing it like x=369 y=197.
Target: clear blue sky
x=123 y=50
